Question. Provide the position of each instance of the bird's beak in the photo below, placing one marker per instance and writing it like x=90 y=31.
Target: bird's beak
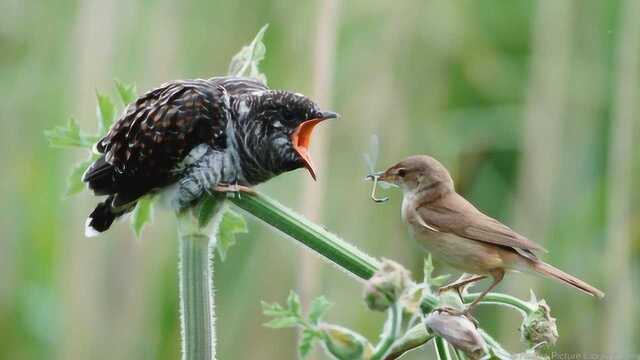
x=301 y=138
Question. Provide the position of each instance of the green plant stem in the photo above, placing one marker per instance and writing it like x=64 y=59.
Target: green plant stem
x=312 y=235
x=395 y=321
x=502 y=299
x=196 y=286
x=442 y=349
x=196 y=298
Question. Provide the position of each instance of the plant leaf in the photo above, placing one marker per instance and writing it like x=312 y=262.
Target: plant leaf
x=106 y=113
x=127 y=92
x=274 y=309
x=245 y=62
x=428 y=269
x=306 y=342
x=283 y=322
x=69 y=136
x=232 y=223
x=208 y=208
x=293 y=302
x=74 y=182
x=319 y=307
x=142 y=214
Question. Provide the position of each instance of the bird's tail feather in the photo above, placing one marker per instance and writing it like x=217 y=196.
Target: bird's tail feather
x=103 y=216
x=554 y=273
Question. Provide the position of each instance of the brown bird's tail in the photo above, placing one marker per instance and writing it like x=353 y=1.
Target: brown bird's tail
x=557 y=274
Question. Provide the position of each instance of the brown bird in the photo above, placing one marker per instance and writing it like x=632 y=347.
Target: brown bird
x=454 y=231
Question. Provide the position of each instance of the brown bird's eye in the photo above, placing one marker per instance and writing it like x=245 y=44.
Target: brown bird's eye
x=402 y=172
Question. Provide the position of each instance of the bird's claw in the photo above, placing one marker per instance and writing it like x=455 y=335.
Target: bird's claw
x=234 y=189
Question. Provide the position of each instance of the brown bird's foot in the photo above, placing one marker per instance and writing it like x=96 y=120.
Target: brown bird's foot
x=455 y=312
x=234 y=188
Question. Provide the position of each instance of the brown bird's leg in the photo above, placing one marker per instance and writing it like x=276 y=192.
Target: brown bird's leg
x=458 y=284
x=498 y=275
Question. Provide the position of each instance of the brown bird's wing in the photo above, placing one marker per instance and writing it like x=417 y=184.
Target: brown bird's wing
x=454 y=214
x=154 y=134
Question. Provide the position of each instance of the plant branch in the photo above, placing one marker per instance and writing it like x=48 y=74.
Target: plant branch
x=328 y=245
x=395 y=321
x=442 y=349
x=197 y=318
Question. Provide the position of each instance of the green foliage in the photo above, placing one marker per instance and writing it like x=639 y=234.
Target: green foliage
x=106 y=113
x=245 y=63
x=428 y=274
x=142 y=214
x=69 y=135
x=74 y=181
x=232 y=223
x=291 y=316
x=127 y=92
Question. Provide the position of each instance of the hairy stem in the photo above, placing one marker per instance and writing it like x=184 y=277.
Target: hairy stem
x=312 y=235
x=394 y=323
x=196 y=287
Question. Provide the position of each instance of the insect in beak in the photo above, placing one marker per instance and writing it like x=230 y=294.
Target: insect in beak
x=375 y=177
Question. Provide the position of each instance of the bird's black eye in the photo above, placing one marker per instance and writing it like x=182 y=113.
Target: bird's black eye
x=402 y=172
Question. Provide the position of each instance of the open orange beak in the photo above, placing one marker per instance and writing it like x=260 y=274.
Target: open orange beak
x=301 y=138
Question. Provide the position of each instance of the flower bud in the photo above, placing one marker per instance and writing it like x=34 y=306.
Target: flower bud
x=539 y=327
x=458 y=331
x=412 y=339
x=386 y=285
x=344 y=343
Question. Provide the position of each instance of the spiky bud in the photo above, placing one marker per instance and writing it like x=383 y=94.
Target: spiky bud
x=386 y=286
x=539 y=327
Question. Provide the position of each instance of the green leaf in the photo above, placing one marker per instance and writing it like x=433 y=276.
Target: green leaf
x=74 y=182
x=319 y=307
x=69 y=136
x=232 y=223
x=106 y=113
x=293 y=302
x=245 y=63
x=439 y=280
x=274 y=309
x=209 y=207
x=127 y=92
x=428 y=269
x=284 y=322
x=306 y=342
x=142 y=214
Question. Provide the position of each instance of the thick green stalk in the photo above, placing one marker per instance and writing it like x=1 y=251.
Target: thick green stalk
x=312 y=235
x=197 y=318
x=196 y=298
x=442 y=349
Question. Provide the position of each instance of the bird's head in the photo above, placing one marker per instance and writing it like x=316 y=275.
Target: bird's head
x=419 y=173
x=277 y=128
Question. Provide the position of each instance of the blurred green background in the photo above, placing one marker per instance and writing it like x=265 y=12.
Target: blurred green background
x=533 y=106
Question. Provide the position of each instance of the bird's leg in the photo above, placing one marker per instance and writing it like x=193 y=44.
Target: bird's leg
x=460 y=283
x=498 y=275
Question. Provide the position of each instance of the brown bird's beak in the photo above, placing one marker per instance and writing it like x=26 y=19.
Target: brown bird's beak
x=301 y=138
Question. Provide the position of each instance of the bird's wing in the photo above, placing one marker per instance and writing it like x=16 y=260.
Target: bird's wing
x=155 y=133
x=453 y=214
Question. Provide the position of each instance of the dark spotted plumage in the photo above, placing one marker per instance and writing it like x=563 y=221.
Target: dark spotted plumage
x=196 y=134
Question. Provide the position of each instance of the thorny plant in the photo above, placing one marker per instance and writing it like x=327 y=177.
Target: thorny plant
x=211 y=224
x=414 y=318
